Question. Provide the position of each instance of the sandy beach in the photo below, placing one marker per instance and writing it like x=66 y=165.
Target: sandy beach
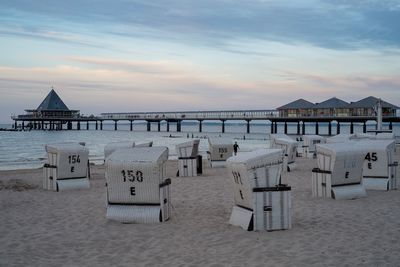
x=43 y=228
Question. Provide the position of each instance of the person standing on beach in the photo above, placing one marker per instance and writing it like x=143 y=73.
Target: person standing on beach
x=235 y=148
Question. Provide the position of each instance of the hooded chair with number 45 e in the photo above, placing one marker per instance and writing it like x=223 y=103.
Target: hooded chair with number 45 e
x=339 y=172
x=137 y=187
x=261 y=202
x=380 y=165
x=67 y=167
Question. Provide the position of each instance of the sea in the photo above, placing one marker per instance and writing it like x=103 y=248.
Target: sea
x=26 y=149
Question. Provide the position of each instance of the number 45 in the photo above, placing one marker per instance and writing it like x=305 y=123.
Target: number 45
x=371 y=156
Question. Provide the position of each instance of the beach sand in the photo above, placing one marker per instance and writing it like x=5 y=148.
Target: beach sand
x=43 y=228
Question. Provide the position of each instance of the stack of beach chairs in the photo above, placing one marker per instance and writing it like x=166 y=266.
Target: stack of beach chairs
x=137 y=188
x=220 y=149
x=261 y=201
x=67 y=167
x=349 y=164
x=289 y=147
x=189 y=160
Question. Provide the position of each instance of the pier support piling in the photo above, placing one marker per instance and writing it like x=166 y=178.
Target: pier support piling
x=364 y=127
x=178 y=126
x=167 y=126
x=148 y=126
x=115 y=125
x=87 y=125
x=330 y=128
x=298 y=128
x=317 y=128
x=351 y=128
x=159 y=126
x=338 y=128
x=303 y=130
x=101 y=125
x=200 y=126
x=285 y=130
x=223 y=126
x=248 y=126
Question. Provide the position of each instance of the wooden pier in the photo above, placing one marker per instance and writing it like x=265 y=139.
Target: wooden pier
x=269 y=117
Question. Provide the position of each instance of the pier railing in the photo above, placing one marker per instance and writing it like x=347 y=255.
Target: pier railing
x=193 y=115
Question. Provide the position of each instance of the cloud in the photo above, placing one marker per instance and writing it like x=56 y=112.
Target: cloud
x=342 y=25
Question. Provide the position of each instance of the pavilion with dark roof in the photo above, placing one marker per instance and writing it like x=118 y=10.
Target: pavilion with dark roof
x=335 y=107
x=52 y=107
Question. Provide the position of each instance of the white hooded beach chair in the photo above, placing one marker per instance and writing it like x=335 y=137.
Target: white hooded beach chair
x=137 y=188
x=67 y=167
x=220 y=149
x=339 y=172
x=111 y=147
x=289 y=147
x=309 y=142
x=380 y=165
x=187 y=157
x=261 y=203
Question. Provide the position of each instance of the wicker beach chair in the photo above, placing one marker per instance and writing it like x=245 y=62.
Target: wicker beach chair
x=137 y=187
x=261 y=202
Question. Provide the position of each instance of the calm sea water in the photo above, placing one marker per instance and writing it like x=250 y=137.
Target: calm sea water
x=25 y=149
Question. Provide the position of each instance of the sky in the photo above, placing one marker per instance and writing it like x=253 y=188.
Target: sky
x=167 y=55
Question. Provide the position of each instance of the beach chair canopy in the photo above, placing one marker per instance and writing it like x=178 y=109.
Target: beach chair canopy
x=135 y=175
x=188 y=149
x=343 y=160
x=260 y=168
x=111 y=147
x=71 y=159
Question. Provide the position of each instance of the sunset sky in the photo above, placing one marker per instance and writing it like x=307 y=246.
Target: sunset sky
x=127 y=55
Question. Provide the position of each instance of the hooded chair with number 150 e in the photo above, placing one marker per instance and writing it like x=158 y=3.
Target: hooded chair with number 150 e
x=137 y=187
x=67 y=167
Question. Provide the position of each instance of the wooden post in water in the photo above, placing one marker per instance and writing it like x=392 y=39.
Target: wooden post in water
x=115 y=125
x=351 y=128
x=87 y=125
x=298 y=128
x=338 y=128
x=159 y=126
x=167 y=126
x=200 y=126
x=148 y=126
x=131 y=125
x=330 y=128
x=364 y=127
x=317 y=128
x=285 y=130
x=101 y=125
x=223 y=126
x=248 y=126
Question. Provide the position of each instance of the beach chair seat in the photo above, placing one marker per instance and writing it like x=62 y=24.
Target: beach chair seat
x=380 y=165
x=309 y=142
x=67 y=167
x=144 y=144
x=219 y=150
x=137 y=188
x=339 y=171
x=261 y=202
x=289 y=147
x=188 y=157
x=113 y=146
